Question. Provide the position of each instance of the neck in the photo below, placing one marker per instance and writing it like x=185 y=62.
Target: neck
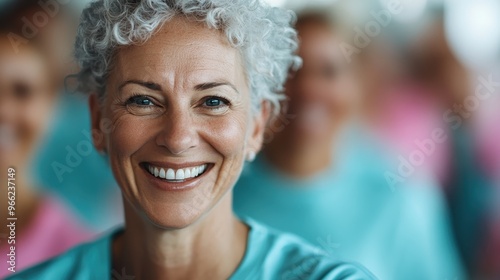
x=211 y=248
x=298 y=159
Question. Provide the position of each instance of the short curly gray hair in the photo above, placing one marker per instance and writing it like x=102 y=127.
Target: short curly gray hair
x=263 y=35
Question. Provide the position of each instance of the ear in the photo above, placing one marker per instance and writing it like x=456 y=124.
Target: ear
x=260 y=120
x=96 y=118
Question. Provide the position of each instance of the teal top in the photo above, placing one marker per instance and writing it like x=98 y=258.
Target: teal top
x=269 y=255
x=353 y=213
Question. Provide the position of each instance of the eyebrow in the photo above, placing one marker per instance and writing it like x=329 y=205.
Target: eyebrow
x=157 y=87
x=207 y=86
x=150 y=85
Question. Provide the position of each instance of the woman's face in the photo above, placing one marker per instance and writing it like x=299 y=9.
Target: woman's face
x=26 y=99
x=176 y=122
x=321 y=92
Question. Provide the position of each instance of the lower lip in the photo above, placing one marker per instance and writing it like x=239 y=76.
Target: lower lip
x=175 y=186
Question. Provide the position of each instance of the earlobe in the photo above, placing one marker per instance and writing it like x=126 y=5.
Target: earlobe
x=96 y=116
x=250 y=156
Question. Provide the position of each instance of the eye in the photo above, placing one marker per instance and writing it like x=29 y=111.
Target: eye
x=328 y=71
x=215 y=102
x=142 y=105
x=140 y=101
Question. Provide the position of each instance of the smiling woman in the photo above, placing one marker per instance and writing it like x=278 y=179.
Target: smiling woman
x=188 y=87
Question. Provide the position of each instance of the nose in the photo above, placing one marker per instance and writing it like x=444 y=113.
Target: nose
x=179 y=133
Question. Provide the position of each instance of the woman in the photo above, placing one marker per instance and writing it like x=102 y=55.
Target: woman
x=322 y=175
x=180 y=94
x=45 y=227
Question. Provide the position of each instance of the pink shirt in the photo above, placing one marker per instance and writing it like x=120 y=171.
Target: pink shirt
x=52 y=231
x=410 y=116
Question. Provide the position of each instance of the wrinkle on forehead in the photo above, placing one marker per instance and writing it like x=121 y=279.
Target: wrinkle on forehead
x=182 y=54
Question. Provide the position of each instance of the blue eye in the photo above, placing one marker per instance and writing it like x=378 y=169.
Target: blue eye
x=140 y=101
x=215 y=102
x=143 y=105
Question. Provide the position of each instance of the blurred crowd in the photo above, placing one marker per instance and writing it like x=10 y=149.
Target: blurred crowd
x=386 y=152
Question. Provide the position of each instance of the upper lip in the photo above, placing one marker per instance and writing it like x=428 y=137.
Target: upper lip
x=174 y=165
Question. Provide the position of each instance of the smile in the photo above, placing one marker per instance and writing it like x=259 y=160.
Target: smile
x=176 y=175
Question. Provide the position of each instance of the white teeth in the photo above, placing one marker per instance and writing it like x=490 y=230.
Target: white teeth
x=162 y=173
x=179 y=174
x=170 y=174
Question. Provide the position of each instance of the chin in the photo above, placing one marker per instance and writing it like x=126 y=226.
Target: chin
x=177 y=215
x=172 y=223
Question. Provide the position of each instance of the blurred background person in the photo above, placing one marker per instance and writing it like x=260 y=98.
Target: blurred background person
x=429 y=88
x=451 y=87
x=435 y=64
x=44 y=227
x=66 y=164
x=65 y=191
x=321 y=175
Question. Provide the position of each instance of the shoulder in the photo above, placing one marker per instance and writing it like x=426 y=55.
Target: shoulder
x=81 y=262
x=285 y=256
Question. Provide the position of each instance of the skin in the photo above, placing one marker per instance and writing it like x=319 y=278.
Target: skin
x=321 y=99
x=181 y=233
x=26 y=101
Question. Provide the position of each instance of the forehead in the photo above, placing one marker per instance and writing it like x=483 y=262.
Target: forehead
x=25 y=65
x=181 y=50
x=319 y=42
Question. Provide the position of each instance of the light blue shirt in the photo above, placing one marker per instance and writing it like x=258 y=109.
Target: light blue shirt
x=269 y=255
x=350 y=211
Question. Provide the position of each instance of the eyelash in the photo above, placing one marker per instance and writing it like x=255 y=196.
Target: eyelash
x=130 y=100
x=224 y=100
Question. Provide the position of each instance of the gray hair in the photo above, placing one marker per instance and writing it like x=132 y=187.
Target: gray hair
x=262 y=34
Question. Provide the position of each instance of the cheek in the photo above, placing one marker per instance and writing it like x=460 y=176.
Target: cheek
x=227 y=134
x=33 y=119
x=128 y=134
x=345 y=94
x=125 y=136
